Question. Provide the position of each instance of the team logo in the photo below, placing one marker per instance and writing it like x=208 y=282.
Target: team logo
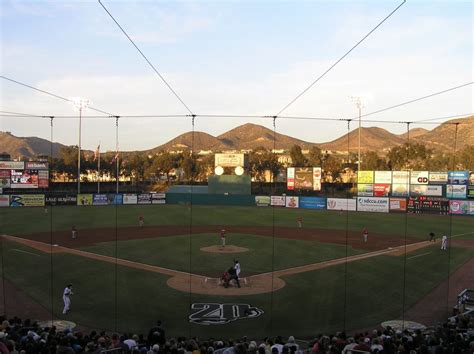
x=218 y=314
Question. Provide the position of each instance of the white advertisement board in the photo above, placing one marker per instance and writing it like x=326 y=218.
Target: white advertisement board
x=373 y=204
x=130 y=199
x=292 y=202
x=341 y=204
x=277 y=200
x=419 y=177
x=384 y=177
x=4 y=200
x=401 y=177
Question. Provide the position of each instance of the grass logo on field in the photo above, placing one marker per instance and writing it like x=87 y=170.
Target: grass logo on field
x=218 y=314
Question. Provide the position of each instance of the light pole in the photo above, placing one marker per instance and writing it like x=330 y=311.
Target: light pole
x=358 y=102
x=80 y=104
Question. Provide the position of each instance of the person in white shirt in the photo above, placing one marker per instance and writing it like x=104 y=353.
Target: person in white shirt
x=67 y=298
x=237 y=268
x=444 y=242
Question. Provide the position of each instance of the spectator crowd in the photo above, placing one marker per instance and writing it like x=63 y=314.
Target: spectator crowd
x=19 y=336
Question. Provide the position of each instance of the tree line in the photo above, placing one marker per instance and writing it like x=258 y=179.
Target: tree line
x=187 y=166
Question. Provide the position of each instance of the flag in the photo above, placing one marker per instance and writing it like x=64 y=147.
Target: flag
x=97 y=153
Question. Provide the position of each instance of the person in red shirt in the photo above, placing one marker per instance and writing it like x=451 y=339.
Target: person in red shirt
x=365 y=234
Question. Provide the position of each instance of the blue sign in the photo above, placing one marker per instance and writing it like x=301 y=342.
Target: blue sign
x=115 y=199
x=458 y=177
x=312 y=203
x=99 y=199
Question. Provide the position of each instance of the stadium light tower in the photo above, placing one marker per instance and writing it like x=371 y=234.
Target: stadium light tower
x=80 y=104
x=357 y=100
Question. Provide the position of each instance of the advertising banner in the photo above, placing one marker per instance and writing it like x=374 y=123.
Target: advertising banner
x=398 y=204
x=312 y=203
x=341 y=204
x=115 y=199
x=304 y=178
x=456 y=191
x=292 y=202
x=229 y=160
x=400 y=190
x=4 y=178
x=43 y=178
x=470 y=192
x=381 y=190
x=419 y=177
x=4 y=200
x=27 y=200
x=366 y=190
x=290 y=178
x=384 y=177
x=401 y=177
x=458 y=177
x=277 y=200
x=158 y=198
x=144 y=198
x=12 y=165
x=427 y=190
x=130 y=199
x=459 y=207
x=372 y=204
x=38 y=165
x=24 y=178
x=471 y=207
x=262 y=200
x=66 y=199
x=317 y=174
x=100 y=199
x=471 y=178
x=365 y=177
x=84 y=199
x=428 y=205
x=438 y=178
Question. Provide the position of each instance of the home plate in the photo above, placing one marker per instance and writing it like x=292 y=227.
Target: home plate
x=55 y=245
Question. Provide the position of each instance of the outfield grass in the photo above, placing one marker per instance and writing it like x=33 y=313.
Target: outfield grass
x=61 y=218
x=311 y=302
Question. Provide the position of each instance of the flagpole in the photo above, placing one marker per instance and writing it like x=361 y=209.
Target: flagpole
x=117 y=152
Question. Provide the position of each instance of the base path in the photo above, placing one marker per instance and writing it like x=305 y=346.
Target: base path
x=198 y=284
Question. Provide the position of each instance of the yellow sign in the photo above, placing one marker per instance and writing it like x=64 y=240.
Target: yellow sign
x=84 y=199
x=365 y=177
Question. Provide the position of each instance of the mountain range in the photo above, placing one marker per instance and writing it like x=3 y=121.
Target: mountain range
x=251 y=136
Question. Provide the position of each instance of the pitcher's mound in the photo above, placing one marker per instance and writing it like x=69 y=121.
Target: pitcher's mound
x=226 y=249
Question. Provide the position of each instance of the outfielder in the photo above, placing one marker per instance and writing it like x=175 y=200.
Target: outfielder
x=74 y=232
x=223 y=238
x=67 y=298
x=141 y=221
x=365 y=234
x=444 y=242
x=299 y=221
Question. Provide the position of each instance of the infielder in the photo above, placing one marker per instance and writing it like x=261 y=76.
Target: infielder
x=444 y=243
x=141 y=221
x=67 y=298
x=74 y=232
x=299 y=221
x=365 y=234
x=223 y=238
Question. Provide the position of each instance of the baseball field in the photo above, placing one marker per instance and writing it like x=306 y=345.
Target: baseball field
x=318 y=278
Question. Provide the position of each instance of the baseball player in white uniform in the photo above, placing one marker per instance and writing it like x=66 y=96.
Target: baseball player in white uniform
x=67 y=293
x=444 y=243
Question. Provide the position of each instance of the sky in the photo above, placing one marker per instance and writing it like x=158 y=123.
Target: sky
x=230 y=58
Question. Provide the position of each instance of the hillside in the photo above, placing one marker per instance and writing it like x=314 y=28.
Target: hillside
x=251 y=136
x=372 y=138
x=414 y=133
x=202 y=141
x=442 y=137
x=28 y=147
